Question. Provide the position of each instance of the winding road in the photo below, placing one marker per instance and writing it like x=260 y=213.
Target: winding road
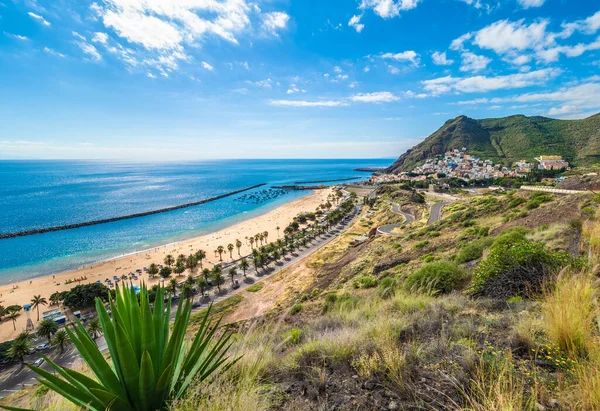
x=435 y=212
x=389 y=228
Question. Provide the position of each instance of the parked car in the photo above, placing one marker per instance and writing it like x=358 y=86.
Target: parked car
x=32 y=351
x=42 y=347
x=196 y=304
x=38 y=362
x=206 y=294
x=236 y=284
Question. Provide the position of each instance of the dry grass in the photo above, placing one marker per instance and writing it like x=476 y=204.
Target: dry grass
x=569 y=314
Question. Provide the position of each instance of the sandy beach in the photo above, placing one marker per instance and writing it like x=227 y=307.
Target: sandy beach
x=22 y=292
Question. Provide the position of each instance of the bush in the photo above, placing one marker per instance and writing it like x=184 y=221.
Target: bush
x=293 y=336
x=387 y=288
x=434 y=278
x=510 y=236
x=296 y=308
x=364 y=282
x=515 y=202
x=422 y=244
x=516 y=269
x=472 y=251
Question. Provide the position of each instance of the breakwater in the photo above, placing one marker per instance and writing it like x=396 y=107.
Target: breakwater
x=296 y=187
x=125 y=217
x=370 y=169
x=326 y=181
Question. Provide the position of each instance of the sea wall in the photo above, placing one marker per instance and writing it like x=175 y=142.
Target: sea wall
x=125 y=217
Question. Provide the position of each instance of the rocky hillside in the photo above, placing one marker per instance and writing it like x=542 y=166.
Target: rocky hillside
x=510 y=139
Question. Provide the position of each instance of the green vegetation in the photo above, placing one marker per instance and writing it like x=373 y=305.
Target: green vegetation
x=255 y=287
x=510 y=139
x=84 y=295
x=365 y=282
x=435 y=278
x=151 y=364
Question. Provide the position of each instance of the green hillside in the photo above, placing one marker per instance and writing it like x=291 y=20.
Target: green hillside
x=510 y=139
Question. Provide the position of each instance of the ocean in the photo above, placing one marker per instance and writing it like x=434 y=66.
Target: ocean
x=40 y=194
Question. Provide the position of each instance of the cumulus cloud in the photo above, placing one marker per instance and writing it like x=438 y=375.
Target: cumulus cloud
x=476 y=84
x=99 y=37
x=39 y=18
x=393 y=70
x=355 y=23
x=504 y=36
x=440 y=59
x=207 y=66
x=377 y=97
x=295 y=89
x=409 y=56
x=388 y=8
x=90 y=51
x=473 y=62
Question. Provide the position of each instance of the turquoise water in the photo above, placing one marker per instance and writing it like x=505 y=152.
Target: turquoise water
x=38 y=194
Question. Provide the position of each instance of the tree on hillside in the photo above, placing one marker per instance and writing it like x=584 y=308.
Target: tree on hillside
x=47 y=328
x=36 y=301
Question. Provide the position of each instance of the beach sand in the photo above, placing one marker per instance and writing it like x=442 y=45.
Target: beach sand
x=22 y=292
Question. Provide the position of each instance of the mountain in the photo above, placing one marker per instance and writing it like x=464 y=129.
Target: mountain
x=510 y=139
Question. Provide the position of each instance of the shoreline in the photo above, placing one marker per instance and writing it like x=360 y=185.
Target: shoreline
x=21 y=292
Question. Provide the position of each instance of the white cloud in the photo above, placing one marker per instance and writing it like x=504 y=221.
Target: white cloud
x=52 y=52
x=355 y=23
x=367 y=69
x=409 y=55
x=412 y=94
x=337 y=69
x=303 y=103
x=589 y=25
x=552 y=54
x=39 y=18
x=388 y=8
x=17 y=36
x=506 y=36
x=79 y=36
x=482 y=83
x=377 y=97
x=207 y=66
x=458 y=44
x=274 y=21
x=520 y=60
x=393 y=70
x=473 y=62
x=440 y=59
x=342 y=77
x=100 y=38
x=354 y=84
x=90 y=50
x=295 y=89
x=266 y=83
x=530 y=3
x=150 y=75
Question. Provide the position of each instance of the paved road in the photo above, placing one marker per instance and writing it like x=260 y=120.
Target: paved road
x=389 y=228
x=14 y=377
x=435 y=213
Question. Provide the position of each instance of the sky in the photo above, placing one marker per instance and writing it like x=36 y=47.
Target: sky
x=207 y=79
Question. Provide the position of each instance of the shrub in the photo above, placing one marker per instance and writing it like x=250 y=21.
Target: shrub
x=84 y=295
x=387 y=288
x=422 y=244
x=293 y=336
x=434 y=278
x=255 y=288
x=296 y=308
x=510 y=236
x=515 y=202
x=472 y=251
x=364 y=281
x=516 y=269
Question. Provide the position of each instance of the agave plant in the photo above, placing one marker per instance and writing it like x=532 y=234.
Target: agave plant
x=150 y=365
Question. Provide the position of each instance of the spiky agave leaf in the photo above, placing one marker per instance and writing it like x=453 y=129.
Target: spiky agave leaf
x=150 y=365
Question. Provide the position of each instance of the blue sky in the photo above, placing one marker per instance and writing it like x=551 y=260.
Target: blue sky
x=196 y=79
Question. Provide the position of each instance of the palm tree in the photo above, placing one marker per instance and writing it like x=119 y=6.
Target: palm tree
x=275 y=255
x=2 y=312
x=220 y=250
x=206 y=273
x=94 y=328
x=141 y=377
x=200 y=255
x=230 y=248
x=60 y=339
x=169 y=260
x=277 y=228
x=153 y=269
x=13 y=315
x=179 y=267
x=46 y=328
x=54 y=298
x=217 y=276
x=251 y=239
x=202 y=284
x=256 y=238
x=238 y=245
x=244 y=265
x=36 y=301
x=165 y=272
x=173 y=284
x=191 y=263
x=232 y=273
x=266 y=235
x=19 y=348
